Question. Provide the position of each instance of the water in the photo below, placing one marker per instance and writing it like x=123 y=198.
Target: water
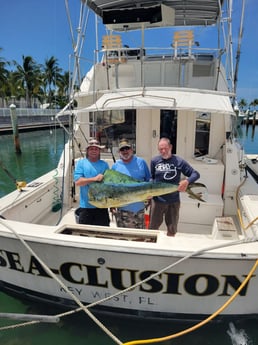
x=248 y=136
x=40 y=153
x=80 y=330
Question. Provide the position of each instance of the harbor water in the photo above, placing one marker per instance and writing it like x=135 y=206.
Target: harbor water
x=40 y=153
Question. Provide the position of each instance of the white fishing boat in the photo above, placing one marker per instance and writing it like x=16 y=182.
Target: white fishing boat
x=183 y=91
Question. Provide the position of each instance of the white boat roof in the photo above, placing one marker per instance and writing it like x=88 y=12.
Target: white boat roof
x=186 y=12
x=188 y=100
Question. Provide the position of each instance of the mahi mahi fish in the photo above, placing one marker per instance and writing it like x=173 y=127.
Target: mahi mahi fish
x=117 y=189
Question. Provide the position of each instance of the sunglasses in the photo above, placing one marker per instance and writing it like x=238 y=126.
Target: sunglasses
x=125 y=149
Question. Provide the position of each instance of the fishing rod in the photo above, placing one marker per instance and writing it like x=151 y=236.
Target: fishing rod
x=109 y=145
x=240 y=36
x=19 y=184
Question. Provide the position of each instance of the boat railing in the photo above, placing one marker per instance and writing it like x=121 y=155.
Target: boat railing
x=183 y=46
x=154 y=66
x=123 y=54
x=5 y=112
x=29 y=119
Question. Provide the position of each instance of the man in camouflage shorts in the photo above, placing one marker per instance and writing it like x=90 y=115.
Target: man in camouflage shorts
x=132 y=215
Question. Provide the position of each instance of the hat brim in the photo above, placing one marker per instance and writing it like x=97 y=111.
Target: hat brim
x=125 y=146
x=101 y=147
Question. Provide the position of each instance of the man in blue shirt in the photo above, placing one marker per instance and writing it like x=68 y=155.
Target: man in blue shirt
x=132 y=215
x=168 y=168
x=88 y=170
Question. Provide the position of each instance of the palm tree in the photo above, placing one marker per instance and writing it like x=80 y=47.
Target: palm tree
x=32 y=81
x=242 y=104
x=51 y=75
x=63 y=90
x=3 y=79
x=28 y=76
x=15 y=88
x=254 y=103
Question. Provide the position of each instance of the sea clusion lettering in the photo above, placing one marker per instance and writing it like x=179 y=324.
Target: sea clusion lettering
x=81 y=274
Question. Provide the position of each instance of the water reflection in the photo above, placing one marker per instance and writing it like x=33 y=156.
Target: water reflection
x=41 y=151
x=79 y=329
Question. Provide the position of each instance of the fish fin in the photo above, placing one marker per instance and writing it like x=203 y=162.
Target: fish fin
x=198 y=195
x=113 y=176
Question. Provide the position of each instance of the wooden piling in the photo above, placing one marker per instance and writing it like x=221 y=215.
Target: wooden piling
x=253 y=124
x=15 y=128
x=254 y=118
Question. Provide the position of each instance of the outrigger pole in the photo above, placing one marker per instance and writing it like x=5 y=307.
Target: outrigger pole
x=240 y=36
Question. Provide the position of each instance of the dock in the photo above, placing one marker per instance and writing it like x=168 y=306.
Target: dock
x=31 y=120
x=250 y=118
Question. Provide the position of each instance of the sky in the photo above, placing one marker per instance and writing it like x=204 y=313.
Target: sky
x=39 y=28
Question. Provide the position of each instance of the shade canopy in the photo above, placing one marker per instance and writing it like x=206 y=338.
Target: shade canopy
x=188 y=100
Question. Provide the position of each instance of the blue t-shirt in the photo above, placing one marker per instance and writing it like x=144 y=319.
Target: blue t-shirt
x=138 y=169
x=85 y=168
x=169 y=171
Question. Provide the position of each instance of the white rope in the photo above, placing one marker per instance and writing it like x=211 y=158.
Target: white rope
x=85 y=308
x=48 y=270
x=198 y=252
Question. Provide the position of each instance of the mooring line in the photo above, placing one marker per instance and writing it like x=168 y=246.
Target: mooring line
x=85 y=308
x=48 y=270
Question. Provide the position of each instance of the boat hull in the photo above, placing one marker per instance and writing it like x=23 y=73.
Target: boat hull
x=192 y=289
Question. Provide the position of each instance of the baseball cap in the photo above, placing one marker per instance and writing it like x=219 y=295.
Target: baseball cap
x=124 y=143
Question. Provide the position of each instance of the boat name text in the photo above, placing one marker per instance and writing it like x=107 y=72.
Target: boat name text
x=199 y=284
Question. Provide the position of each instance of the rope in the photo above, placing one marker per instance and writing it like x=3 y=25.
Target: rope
x=224 y=306
x=85 y=308
x=48 y=270
x=199 y=252
x=57 y=202
x=202 y=323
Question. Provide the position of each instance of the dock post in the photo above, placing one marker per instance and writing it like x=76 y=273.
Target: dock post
x=254 y=124
x=247 y=119
x=15 y=128
x=254 y=118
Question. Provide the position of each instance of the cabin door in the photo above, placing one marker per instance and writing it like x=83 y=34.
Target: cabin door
x=153 y=124
x=168 y=126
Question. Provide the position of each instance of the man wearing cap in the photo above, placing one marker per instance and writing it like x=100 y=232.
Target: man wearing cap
x=88 y=170
x=132 y=215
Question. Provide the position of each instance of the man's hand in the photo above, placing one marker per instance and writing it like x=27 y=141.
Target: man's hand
x=183 y=185
x=147 y=203
x=99 y=177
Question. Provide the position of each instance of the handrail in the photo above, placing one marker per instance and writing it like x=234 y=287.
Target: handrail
x=29 y=112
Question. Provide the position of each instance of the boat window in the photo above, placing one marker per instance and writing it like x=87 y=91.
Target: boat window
x=111 y=126
x=202 y=134
x=168 y=126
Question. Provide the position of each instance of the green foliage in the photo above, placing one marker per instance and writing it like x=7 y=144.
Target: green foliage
x=46 y=83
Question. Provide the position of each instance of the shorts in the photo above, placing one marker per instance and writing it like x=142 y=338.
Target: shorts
x=127 y=219
x=94 y=216
x=170 y=212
